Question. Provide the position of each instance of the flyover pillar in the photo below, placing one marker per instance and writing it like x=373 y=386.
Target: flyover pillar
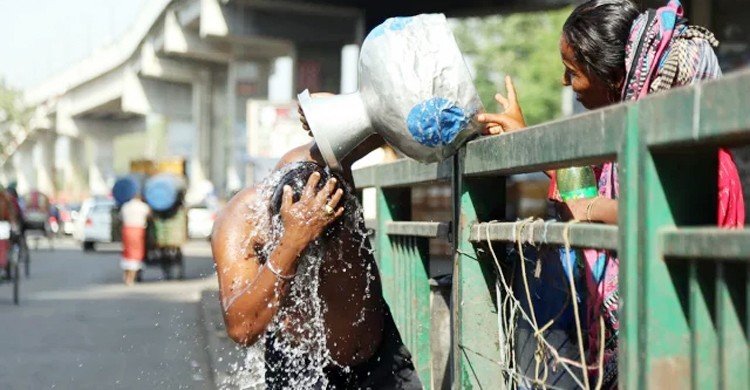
x=101 y=165
x=24 y=168
x=43 y=154
x=70 y=167
x=200 y=154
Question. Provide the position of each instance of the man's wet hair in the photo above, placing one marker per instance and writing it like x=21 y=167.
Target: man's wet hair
x=297 y=178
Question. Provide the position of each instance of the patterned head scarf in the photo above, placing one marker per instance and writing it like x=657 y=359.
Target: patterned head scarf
x=663 y=51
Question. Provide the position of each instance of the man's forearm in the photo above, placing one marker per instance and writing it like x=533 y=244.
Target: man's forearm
x=252 y=309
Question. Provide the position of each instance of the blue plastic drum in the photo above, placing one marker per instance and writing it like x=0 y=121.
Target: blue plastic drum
x=125 y=189
x=163 y=192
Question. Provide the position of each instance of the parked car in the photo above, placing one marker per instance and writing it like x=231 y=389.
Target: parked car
x=200 y=221
x=95 y=222
x=68 y=217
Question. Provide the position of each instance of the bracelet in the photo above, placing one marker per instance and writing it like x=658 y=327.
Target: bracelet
x=589 y=207
x=276 y=272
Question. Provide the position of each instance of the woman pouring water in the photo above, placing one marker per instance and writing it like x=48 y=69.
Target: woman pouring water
x=295 y=271
x=612 y=53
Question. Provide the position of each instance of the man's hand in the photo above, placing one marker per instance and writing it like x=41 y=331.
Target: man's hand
x=306 y=219
x=511 y=119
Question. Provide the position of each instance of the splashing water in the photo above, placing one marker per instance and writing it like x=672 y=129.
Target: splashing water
x=250 y=372
x=298 y=330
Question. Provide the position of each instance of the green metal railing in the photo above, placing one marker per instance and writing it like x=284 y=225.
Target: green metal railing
x=684 y=284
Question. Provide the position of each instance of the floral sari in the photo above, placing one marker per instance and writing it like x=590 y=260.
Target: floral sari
x=662 y=52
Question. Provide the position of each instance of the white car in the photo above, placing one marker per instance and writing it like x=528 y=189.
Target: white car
x=200 y=222
x=94 y=222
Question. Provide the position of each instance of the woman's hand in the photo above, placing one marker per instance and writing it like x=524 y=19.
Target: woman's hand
x=306 y=219
x=511 y=119
x=301 y=113
x=574 y=209
x=597 y=209
x=303 y=120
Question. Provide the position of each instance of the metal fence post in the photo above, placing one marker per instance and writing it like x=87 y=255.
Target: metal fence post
x=476 y=350
x=678 y=188
x=629 y=160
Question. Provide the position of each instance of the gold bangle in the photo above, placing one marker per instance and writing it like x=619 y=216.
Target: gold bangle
x=589 y=207
x=276 y=272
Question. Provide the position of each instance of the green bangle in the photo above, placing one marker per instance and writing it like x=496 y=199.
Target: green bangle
x=579 y=193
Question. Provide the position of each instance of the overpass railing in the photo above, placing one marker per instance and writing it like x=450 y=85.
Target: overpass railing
x=684 y=283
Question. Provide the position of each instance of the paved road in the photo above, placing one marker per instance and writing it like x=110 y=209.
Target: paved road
x=78 y=327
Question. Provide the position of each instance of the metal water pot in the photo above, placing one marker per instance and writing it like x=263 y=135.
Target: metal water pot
x=415 y=91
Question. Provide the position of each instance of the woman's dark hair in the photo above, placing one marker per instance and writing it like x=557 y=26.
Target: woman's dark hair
x=297 y=179
x=598 y=31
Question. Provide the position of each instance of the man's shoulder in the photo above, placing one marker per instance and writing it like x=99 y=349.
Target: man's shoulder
x=238 y=207
x=298 y=154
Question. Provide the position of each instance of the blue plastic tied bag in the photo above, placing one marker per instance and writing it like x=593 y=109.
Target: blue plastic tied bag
x=436 y=121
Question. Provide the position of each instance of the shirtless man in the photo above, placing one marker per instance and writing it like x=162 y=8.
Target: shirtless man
x=360 y=333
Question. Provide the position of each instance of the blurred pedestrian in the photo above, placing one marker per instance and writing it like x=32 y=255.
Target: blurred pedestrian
x=135 y=213
x=17 y=206
x=7 y=217
x=18 y=224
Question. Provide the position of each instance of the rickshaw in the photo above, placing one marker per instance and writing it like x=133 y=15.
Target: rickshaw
x=166 y=231
x=10 y=244
x=165 y=235
x=37 y=210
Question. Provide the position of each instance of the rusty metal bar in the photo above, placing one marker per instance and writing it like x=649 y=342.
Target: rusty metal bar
x=586 y=235
x=402 y=173
x=707 y=243
x=419 y=229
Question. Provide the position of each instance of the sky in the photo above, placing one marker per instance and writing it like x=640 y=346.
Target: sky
x=39 y=38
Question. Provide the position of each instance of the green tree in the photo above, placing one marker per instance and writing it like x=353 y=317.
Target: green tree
x=524 y=46
x=11 y=108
